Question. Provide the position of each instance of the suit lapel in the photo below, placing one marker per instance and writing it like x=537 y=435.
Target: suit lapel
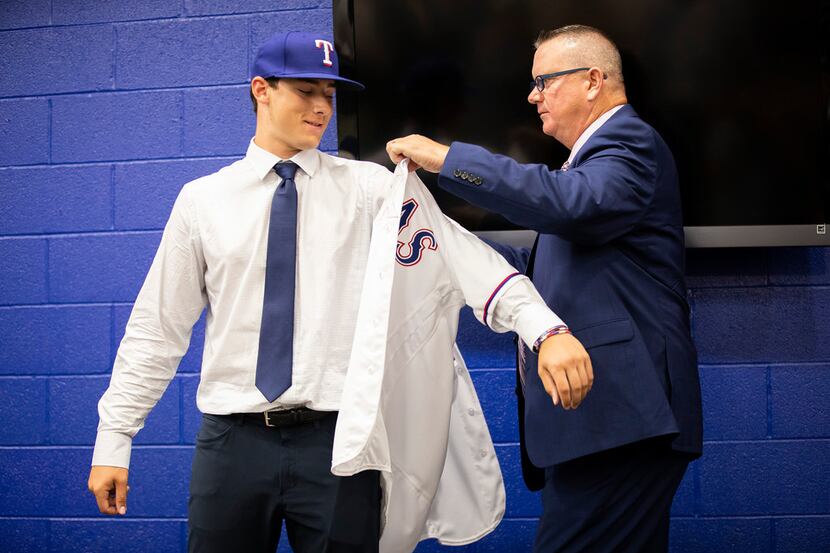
x=624 y=113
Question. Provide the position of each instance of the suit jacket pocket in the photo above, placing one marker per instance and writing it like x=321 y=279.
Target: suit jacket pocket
x=604 y=333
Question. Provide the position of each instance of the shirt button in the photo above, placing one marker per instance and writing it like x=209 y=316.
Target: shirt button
x=471 y=411
x=482 y=454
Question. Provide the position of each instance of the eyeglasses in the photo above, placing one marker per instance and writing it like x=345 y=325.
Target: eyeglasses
x=539 y=82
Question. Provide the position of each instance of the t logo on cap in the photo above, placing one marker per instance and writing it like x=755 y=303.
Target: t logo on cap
x=327 y=48
x=296 y=55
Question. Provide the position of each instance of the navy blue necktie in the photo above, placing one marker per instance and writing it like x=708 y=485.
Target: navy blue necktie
x=276 y=334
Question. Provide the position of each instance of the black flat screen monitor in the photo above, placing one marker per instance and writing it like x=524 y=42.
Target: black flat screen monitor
x=738 y=89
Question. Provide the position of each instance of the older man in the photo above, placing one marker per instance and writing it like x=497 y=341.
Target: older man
x=610 y=257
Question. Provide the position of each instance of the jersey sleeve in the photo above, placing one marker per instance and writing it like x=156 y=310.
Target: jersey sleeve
x=501 y=297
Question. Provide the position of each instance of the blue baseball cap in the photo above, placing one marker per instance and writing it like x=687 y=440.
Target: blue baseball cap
x=299 y=56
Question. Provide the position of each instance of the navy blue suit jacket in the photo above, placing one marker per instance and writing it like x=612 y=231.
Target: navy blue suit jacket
x=609 y=260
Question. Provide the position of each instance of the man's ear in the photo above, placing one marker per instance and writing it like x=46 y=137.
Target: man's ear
x=259 y=89
x=596 y=80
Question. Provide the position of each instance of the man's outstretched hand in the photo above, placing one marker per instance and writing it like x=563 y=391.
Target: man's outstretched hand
x=421 y=151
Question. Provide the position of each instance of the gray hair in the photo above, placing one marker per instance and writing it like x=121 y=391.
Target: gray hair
x=592 y=48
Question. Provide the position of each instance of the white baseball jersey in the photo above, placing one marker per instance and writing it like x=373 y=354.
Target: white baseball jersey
x=409 y=408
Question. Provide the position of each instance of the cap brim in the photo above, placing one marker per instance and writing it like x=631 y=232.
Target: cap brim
x=346 y=83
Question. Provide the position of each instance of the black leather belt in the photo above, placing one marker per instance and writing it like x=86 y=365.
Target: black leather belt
x=288 y=417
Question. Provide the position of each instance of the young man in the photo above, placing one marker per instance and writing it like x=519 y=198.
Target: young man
x=610 y=257
x=275 y=246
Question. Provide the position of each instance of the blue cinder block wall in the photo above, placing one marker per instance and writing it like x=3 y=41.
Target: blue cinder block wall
x=107 y=108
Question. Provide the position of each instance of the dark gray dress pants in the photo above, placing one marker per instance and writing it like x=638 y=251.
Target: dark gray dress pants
x=614 y=501
x=247 y=479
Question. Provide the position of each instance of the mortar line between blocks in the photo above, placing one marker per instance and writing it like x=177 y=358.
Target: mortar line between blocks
x=48 y=417
x=112 y=197
x=181 y=124
x=49 y=132
x=48 y=270
x=248 y=50
x=97 y=163
x=112 y=335
x=181 y=410
x=123 y=91
x=163 y=19
x=114 y=72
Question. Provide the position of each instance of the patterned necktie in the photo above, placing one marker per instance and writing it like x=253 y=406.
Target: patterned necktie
x=276 y=334
x=521 y=362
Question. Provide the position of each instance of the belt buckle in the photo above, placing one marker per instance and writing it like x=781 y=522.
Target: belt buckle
x=294 y=417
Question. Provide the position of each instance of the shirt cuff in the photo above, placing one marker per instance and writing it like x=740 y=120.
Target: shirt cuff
x=112 y=449
x=520 y=308
x=535 y=321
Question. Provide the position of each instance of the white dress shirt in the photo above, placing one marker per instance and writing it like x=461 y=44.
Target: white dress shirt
x=212 y=254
